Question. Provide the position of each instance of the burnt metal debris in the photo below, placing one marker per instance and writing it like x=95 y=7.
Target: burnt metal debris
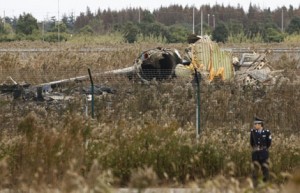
x=47 y=92
x=202 y=55
x=208 y=59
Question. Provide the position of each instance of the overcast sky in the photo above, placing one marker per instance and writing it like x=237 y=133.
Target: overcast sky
x=41 y=9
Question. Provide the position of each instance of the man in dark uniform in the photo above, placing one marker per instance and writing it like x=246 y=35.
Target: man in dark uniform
x=260 y=140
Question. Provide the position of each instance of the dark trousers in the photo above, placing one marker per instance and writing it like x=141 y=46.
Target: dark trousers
x=260 y=162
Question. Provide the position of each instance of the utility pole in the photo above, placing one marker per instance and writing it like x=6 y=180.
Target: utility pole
x=58 y=36
x=43 y=29
x=201 y=22
x=139 y=14
x=282 y=19
x=214 y=21
x=92 y=91
x=208 y=19
x=193 y=19
x=197 y=89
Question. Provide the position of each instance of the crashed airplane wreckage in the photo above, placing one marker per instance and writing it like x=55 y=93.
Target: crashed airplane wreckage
x=202 y=55
x=205 y=57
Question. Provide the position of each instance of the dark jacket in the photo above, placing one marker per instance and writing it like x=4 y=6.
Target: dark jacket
x=260 y=142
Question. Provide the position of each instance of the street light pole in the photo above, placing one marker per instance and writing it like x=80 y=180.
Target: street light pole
x=139 y=14
x=282 y=20
x=43 y=30
x=58 y=38
x=208 y=19
x=193 y=19
x=214 y=21
x=201 y=22
x=197 y=81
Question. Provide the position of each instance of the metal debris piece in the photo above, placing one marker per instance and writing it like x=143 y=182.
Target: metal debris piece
x=207 y=57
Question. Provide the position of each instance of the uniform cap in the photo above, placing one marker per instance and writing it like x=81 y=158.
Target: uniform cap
x=258 y=120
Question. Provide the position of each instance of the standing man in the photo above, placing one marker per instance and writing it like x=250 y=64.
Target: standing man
x=260 y=140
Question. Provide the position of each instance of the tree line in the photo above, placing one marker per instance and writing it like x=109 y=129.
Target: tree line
x=172 y=24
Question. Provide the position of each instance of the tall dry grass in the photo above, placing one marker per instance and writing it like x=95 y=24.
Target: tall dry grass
x=144 y=135
x=38 y=62
x=150 y=127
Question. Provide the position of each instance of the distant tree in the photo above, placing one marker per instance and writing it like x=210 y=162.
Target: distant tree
x=148 y=17
x=254 y=29
x=52 y=25
x=26 y=24
x=220 y=33
x=108 y=19
x=65 y=19
x=89 y=14
x=2 y=27
x=62 y=27
x=268 y=28
x=87 y=30
x=81 y=21
x=207 y=30
x=69 y=21
x=97 y=25
x=145 y=29
x=176 y=34
x=254 y=13
x=235 y=27
x=130 y=32
x=294 y=26
x=273 y=35
x=12 y=22
x=155 y=29
x=6 y=28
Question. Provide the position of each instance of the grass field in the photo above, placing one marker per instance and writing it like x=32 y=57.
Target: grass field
x=144 y=134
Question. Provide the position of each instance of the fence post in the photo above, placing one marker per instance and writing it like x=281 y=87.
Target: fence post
x=197 y=79
x=92 y=91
